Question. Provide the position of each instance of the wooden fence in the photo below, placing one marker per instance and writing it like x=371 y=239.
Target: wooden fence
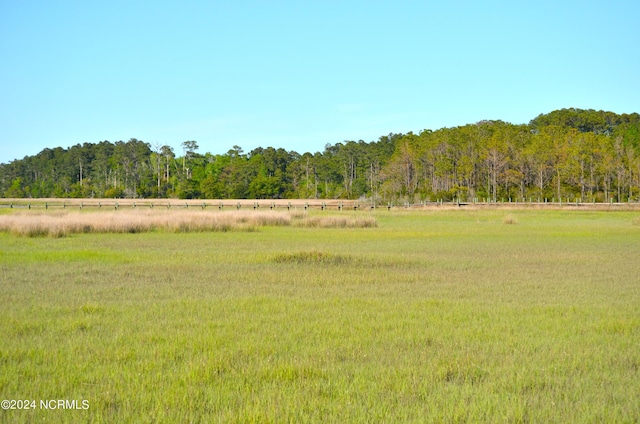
x=301 y=204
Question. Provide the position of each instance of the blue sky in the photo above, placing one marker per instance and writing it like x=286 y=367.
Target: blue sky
x=301 y=74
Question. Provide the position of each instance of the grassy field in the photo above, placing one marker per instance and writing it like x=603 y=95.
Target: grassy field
x=430 y=316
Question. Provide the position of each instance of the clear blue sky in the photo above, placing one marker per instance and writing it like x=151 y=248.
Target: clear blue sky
x=301 y=74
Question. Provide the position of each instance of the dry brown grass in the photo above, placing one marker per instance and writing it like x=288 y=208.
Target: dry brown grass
x=59 y=224
x=63 y=223
x=510 y=220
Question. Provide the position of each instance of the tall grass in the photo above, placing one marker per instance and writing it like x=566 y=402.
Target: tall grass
x=59 y=224
x=510 y=220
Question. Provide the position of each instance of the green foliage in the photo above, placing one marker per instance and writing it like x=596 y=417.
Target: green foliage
x=15 y=190
x=569 y=153
x=114 y=192
x=598 y=122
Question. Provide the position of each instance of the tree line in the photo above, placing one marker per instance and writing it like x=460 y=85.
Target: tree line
x=569 y=153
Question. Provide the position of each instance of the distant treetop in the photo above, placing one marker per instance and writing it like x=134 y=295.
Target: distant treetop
x=595 y=121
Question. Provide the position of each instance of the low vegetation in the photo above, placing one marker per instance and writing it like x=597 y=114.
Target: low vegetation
x=313 y=257
x=333 y=221
x=442 y=316
x=510 y=220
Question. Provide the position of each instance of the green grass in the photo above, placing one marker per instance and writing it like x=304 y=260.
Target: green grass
x=432 y=316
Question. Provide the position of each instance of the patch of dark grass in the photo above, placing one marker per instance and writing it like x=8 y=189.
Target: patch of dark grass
x=313 y=257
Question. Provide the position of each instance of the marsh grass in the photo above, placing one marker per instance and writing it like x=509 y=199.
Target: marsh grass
x=430 y=317
x=334 y=221
x=510 y=220
x=60 y=224
x=315 y=257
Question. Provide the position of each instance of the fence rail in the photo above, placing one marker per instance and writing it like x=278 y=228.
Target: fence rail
x=298 y=204
x=184 y=204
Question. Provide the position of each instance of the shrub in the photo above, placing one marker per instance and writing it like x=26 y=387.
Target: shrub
x=510 y=220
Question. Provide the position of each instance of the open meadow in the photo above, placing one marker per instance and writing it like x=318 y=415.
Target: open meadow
x=460 y=315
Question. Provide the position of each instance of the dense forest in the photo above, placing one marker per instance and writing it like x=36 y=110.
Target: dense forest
x=569 y=153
